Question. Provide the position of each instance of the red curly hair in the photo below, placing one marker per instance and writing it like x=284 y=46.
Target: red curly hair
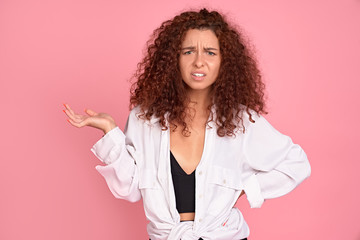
x=159 y=88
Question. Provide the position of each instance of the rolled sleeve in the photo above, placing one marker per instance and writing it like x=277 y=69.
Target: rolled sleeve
x=253 y=192
x=120 y=172
x=274 y=164
x=103 y=149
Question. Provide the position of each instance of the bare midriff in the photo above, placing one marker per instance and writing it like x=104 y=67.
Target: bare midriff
x=188 y=216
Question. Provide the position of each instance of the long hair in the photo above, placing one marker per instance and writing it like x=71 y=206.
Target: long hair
x=159 y=88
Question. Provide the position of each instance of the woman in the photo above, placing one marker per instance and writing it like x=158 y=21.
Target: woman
x=195 y=138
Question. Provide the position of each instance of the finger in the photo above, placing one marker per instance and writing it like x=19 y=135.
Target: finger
x=69 y=109
x=67 y=112
x=90 y=112
x=76 y=124
x=71 y=114
x=75 y=118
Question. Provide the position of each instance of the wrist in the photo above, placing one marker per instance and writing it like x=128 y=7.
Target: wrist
x=110 y=127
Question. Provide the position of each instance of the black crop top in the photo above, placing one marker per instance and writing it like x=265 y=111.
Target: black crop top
x=184 y=186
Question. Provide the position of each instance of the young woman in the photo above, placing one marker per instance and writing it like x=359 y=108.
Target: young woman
x=195 y=140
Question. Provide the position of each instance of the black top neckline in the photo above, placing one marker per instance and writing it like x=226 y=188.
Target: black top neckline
x=173 y=158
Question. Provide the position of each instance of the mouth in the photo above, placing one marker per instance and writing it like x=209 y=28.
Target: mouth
x=198 y=74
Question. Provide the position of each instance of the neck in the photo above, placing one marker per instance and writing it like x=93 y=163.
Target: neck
x=199 y=102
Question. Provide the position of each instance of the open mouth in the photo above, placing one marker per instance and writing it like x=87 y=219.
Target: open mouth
x=198 y=74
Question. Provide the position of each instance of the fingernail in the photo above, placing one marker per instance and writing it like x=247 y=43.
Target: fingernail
x=64 y=105
x=68 y=120
x=64 y=111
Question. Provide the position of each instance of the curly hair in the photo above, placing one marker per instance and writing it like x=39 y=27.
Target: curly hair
x=159 y=88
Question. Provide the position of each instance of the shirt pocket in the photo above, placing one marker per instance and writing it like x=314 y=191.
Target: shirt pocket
x=153 y=196
x=148 y=179
x=224 y=187
x=225 y=177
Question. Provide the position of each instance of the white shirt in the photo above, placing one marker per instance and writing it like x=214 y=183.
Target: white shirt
x=262 y=162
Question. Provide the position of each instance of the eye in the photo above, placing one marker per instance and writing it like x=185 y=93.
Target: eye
x=211 y=53
x=187 y=52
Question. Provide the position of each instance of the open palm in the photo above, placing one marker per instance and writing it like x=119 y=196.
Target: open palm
x=102 y=121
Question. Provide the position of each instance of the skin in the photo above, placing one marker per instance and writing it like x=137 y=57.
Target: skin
x=200 y=53
x=102 y=121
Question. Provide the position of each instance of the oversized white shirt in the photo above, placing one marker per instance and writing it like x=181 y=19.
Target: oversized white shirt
x=262 y=162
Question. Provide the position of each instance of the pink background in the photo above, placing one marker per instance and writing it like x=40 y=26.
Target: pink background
x=84 y=52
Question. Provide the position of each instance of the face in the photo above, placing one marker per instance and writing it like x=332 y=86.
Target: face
x=200 y=59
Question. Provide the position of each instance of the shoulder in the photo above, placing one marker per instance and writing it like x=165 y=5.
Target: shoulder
x=244 y=118
x=250 y=117
x=134 y=113
x=261 y=132
x=135 y=124
x=137 y=114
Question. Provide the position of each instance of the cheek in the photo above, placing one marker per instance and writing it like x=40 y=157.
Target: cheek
x=182 y=65
x=218 y=64
x=215 y=65
x=185 y=66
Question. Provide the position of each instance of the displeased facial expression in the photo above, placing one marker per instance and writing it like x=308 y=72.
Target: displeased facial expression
x=200 y=59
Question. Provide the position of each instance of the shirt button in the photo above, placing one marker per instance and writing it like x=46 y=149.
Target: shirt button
x=200 y=172
x=224 y=181
x=200 y=195
x=200 y=220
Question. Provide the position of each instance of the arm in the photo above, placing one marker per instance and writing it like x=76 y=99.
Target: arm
x=275 y=163
x=117 y=151
x=114 y=149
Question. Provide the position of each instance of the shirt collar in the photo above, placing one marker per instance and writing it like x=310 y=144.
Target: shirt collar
x=154 y=119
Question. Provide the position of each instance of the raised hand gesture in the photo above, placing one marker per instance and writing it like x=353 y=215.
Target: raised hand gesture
x=102 y=121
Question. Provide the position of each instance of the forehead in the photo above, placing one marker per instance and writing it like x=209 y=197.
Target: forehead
x=205 y=37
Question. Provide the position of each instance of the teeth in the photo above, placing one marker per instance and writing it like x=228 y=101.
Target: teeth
x=198 y=74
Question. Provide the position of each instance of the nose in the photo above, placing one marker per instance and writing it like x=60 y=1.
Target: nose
x=199 y=60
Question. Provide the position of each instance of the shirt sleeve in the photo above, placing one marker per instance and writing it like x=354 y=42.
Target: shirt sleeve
x=277 y=165
x=117 y=151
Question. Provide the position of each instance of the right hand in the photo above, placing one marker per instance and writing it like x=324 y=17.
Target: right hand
x=102 y=121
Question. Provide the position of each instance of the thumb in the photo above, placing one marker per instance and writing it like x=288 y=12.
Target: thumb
x=90 y=112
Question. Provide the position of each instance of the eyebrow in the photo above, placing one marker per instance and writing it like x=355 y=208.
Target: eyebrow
x=193 y=48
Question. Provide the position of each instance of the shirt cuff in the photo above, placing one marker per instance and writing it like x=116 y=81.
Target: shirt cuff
x=105 y=148
x=253 y=192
